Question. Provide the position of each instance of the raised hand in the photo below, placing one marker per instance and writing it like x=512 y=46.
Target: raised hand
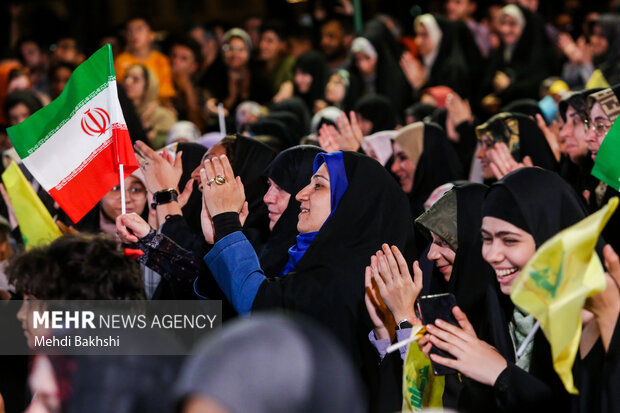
x=351 y=136
x=413 y=69
x=221 y=191
x=502 y=161
x=160 y=171
x=328 y=138
x=382 y=319
x=398 y=290
x=458 y=109
x=552 y=135
x=501 y=81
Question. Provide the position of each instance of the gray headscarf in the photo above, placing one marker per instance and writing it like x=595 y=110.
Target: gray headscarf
x=269 y=364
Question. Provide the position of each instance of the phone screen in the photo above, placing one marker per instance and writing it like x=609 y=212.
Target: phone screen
x=431 y=308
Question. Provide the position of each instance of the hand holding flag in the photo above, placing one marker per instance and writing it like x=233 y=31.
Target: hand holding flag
x=555 y=283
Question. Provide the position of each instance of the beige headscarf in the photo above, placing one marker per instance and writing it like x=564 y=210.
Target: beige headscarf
x=411 y=139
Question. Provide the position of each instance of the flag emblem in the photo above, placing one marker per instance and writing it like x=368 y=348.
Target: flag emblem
x=95 y=122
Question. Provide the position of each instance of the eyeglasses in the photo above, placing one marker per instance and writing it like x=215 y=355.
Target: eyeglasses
x=135 y=192
x=600 y=127
x=228 y=49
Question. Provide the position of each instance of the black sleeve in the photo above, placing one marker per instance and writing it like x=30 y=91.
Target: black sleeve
x=178 y=230
x=517 y=390
x=225 y=224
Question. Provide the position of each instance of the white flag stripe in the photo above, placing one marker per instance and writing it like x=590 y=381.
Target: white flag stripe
x=67 y=149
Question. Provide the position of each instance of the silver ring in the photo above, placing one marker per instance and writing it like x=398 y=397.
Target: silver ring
x=210 y=181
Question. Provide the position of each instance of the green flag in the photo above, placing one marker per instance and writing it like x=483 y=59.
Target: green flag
x=607 y=162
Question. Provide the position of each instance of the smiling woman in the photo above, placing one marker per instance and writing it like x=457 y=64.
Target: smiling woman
x=423 y=160
x=348 y=212
x=520 y=213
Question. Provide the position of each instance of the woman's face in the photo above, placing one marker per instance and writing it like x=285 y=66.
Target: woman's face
x=574 y=136
x=18 y=113
x=403 y=168
x=335 y=89
x=315 y=201
x=25 y=316
x=135 y=83
x=303 y=81
x=598 y=42
x=276 y=200
x=135 y=198
x=599 y=125
x=507 y=249
x=485 y=162
x=442 y=255
x=365 y=63
x=423 y=40
x=236 y=54
x=509 y=30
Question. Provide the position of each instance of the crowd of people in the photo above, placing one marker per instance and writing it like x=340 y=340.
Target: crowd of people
x=320 y=178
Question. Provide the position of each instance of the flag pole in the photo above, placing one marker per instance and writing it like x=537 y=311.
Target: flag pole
x=122 y=173
x=528 y=339
x=220 y=115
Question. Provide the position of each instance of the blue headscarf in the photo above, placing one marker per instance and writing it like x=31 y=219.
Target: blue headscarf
x=338 y=185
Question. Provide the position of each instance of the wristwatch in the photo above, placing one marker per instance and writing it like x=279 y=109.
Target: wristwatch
x=402 y=324
x=164 y=196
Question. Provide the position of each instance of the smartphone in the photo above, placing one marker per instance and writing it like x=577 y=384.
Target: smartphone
x=431 y=308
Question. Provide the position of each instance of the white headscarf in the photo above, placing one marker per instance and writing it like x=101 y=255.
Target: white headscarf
x=381 y=144
x=363 y=45
x=435 y=34
x=515 y=12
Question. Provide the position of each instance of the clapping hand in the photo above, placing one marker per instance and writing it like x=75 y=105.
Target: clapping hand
x=413 y=69
x=221 y=192
x=348 y=136
x=502 y=161
x=398 y=290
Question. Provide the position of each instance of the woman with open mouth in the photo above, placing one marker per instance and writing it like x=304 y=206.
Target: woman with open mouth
x=520 y=213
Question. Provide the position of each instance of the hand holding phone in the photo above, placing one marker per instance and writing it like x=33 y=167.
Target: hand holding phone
x=433 y=307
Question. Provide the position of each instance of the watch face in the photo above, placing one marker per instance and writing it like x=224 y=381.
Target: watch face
x=404 y=324
x=163 y=197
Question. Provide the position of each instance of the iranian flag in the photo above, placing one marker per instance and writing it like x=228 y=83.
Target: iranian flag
x=76 y=145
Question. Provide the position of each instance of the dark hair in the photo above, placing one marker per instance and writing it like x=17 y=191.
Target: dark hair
x=138 y=16
x=191 y=44
x=21 y=42
x=17 y=72
x=77 y=267
x=276 y=26
x=345 y=22
x=228 y=142
x=27 y=97
x=578 y=101
x=66 y=65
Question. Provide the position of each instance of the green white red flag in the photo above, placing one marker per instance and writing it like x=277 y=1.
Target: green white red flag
x=74 y=145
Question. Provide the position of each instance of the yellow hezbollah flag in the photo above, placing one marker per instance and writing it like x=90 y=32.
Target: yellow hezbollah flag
x=555 y=283
x=35 y=222
x=421 y=388
x=597 y=80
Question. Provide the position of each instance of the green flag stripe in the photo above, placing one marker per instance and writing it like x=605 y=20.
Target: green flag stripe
x=86 y=82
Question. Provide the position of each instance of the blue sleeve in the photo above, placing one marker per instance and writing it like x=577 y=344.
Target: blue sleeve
x=235 y=266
